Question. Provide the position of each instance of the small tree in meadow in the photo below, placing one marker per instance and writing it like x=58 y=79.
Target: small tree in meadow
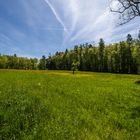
x=75 y=66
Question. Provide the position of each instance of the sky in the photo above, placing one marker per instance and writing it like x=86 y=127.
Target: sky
x=32 y=28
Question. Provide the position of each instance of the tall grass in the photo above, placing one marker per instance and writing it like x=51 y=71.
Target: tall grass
x=57 y=105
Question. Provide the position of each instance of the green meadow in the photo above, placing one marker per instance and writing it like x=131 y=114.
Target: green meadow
x=57 y=105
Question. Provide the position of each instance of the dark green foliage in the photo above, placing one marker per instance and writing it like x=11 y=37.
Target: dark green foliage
x=42 y=63
x=139 y=35
x=129 y=39
x=137 y=82
x=101 y=55
x=122 y=57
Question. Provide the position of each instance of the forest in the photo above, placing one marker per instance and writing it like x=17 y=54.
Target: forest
x=122 y=57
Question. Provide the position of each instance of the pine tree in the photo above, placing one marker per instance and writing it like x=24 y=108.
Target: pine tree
x=139 y=35
x=129 y=39
x=101 y=55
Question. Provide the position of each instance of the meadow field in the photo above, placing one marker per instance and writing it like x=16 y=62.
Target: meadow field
x=57 y=105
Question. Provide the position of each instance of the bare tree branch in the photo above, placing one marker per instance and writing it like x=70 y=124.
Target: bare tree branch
x=128 y=9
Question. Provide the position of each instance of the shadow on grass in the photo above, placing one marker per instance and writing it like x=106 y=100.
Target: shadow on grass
x=135 y=112
x=137 y=82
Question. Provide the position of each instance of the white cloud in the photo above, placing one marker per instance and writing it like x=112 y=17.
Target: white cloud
x=54 y=25
x=85 y=20
x=82 y=19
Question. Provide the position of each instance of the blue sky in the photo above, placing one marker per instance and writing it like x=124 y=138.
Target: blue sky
x=33 y=28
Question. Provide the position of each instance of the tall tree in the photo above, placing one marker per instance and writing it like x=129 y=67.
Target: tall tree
x=129 y=53
x=42 y=63
x=129 y=39
x=101 y=54
x=139 y=35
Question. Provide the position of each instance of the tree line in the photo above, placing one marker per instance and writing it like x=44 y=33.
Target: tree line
x=14 y=62
x=122 y=57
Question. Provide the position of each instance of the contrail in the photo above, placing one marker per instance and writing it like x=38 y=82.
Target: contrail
x=56 y=15
x=72 y=9
x=53 y=28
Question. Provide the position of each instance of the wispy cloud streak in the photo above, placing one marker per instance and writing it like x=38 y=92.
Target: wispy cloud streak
x=86 y=20
x=56 y=15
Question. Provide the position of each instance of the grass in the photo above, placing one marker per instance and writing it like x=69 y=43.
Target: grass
x=56 y=105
